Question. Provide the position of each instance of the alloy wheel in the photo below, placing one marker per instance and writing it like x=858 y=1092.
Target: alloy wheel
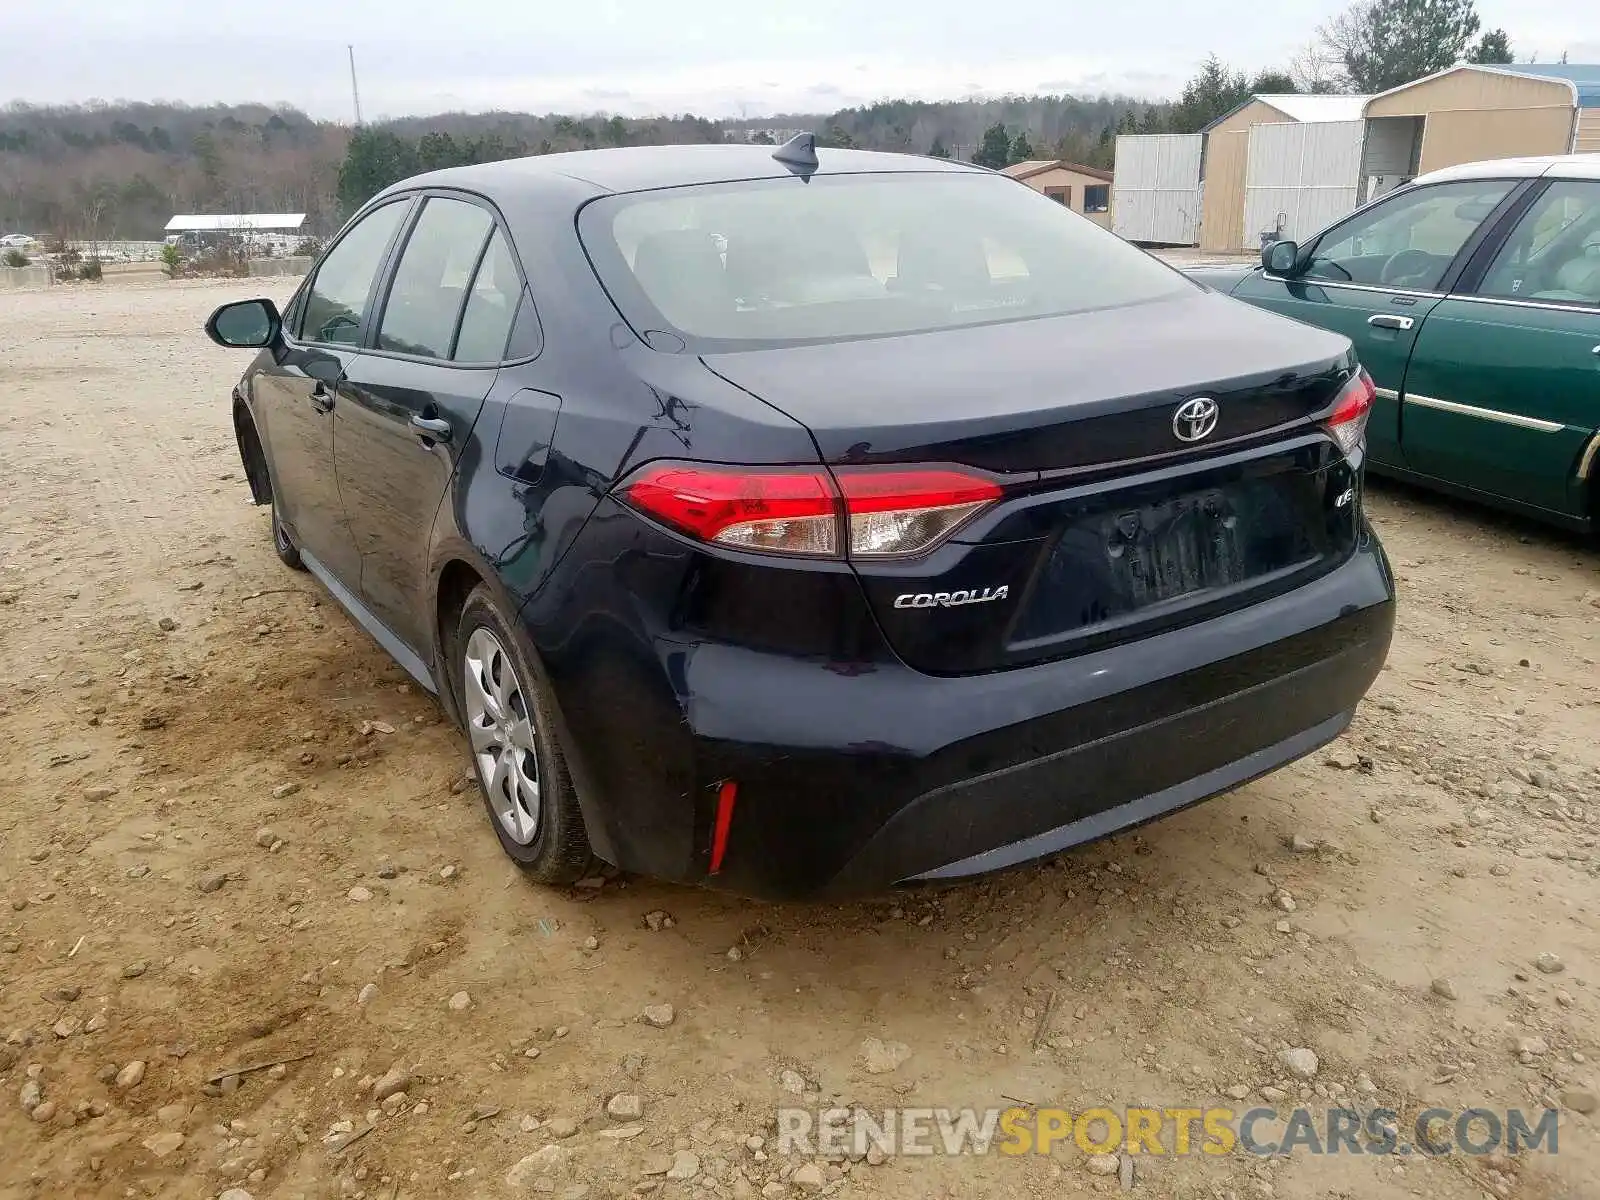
x=500 y=727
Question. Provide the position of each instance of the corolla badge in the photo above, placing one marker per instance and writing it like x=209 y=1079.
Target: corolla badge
x=951 y=599
x=1195 y=419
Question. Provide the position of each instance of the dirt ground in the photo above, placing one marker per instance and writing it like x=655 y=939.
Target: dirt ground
x=233 y=835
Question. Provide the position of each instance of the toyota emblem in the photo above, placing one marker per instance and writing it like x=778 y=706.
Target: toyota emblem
x=1195 y=419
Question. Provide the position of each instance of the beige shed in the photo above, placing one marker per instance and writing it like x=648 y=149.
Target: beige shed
x=1468 y=113
x=1227 y=156
x=1085 y=190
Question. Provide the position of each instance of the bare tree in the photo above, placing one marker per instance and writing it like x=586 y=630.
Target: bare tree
x=1381 y=44
x=1314 y=70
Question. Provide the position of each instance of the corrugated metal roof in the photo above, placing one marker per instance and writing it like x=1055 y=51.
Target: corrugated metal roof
x=1307 y=109
x=234 y=222
x=1310 y=109
x=1585 y=77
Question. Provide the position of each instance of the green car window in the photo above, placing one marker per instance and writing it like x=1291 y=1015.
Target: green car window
x=1554 y=252
x=1410 y=240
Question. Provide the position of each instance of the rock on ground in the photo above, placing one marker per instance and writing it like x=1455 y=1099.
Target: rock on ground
x=395 y=1079
x=625 y=1106
x=1103 y=1164
x=659 y=1015
x=809 y=1178
x=685 y=1165
x=541 y=1162
x=879 y=1057
x=1299 y=1062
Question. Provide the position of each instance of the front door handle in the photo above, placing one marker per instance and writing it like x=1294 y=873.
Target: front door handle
x=321 y=397
x=431 y=429
x=1390 y=321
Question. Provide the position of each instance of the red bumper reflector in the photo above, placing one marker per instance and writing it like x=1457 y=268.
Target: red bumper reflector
x=726 y=795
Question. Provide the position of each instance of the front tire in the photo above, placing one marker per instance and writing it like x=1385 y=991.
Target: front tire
x=281 y=542
x=518 y=763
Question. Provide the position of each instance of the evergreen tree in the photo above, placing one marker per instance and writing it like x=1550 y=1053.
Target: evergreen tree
x=995 y=150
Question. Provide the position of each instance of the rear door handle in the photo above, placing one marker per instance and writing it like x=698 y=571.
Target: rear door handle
x=321 y=397
x=431 y=429
x=1390 y=321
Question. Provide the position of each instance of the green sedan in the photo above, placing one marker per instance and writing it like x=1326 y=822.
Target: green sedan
x=1473 y=297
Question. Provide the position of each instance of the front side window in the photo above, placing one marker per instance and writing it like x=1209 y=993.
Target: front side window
x=430 y=284
x=783 y=261
x=336 y=306
x=1410 y=240
x=1097 y=198
x=1061 y=195
x=1554 y=252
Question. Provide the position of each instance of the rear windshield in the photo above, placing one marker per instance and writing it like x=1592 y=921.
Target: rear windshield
x=781 y=261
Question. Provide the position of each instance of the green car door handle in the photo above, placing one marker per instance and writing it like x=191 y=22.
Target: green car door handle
x=1390 y=321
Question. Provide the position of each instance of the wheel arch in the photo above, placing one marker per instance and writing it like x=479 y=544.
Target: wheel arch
x=1589 y=481
x=459 y=571
x=251 y=450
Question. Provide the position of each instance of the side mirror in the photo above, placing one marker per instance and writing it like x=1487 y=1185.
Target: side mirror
x=245 y=324
x=1280 y=258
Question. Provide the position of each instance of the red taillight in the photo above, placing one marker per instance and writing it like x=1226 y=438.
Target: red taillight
x=1348 y=424
x=888 y=512
x=791 y=511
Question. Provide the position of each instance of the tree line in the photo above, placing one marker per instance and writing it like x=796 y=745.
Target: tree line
x=121 y=170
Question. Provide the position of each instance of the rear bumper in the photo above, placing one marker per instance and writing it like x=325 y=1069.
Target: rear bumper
x=854 y=777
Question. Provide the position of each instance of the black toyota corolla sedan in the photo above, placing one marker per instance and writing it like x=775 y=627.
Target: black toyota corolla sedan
x=806 y=523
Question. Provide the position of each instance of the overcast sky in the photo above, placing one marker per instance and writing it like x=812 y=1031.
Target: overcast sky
x=638 y=57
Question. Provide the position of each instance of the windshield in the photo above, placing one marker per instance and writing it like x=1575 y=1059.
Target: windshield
x=781 y=261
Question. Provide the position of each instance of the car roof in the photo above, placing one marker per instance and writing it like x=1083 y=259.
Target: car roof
x=640 y=168
x=1561 y=166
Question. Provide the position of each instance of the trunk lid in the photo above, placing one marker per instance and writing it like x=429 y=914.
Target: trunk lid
x=1087 y=390
x=1111 y=527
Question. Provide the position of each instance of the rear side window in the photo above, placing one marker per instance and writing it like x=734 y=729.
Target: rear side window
x=1554 y=252
x=336 y=307
x=430 y=284
x=781 y=261
x=491 y=306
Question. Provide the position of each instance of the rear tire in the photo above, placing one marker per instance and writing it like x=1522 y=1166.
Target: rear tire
x=515 y=756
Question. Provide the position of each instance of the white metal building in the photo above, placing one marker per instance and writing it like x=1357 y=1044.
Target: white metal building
x=236 y=223
x=1155 y=189
x=1288 y=165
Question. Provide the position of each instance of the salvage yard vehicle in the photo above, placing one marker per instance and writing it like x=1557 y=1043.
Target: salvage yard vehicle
x=804 y=523
x=1473 y=297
